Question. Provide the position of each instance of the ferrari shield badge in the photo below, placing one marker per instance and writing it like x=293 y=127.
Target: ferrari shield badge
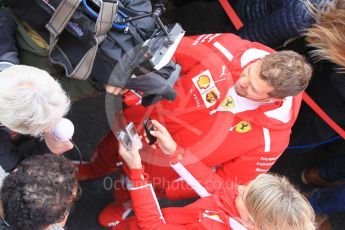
x=228 y=103
x=243 y=127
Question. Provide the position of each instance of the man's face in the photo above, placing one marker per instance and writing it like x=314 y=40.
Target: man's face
x=251 y=86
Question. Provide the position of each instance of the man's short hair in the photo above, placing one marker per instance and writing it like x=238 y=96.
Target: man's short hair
x=39 y=192
x=273 y=203
x=31 y=101
x=287 y=72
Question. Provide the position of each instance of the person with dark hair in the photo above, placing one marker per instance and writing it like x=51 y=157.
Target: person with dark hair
x=39 y=193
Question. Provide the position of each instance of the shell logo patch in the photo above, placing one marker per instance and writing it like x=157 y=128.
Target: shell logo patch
x=207 y=88
x=228 y=103
x=203 y=82
x=243 y=127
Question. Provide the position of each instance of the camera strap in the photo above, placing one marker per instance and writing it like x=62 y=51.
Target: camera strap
x=58 y=22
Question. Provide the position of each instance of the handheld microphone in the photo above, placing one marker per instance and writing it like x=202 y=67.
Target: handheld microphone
x=63 y=130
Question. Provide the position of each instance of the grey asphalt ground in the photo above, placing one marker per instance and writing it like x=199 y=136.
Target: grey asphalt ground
x=91 y=123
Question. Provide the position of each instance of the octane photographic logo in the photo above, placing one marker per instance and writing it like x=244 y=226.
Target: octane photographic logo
x=197 y=97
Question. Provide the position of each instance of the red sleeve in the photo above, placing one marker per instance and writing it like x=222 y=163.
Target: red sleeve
x=145 y=204
x=144 y=200
x=146 y=207
x=201 y=178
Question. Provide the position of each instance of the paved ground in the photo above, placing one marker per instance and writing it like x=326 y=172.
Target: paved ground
x=91 y=122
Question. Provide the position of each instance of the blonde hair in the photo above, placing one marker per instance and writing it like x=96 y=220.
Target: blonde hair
x=31 y=101
x=274 y=203
x=327 y=35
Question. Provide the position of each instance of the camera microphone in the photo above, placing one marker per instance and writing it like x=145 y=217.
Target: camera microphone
x=63 y=130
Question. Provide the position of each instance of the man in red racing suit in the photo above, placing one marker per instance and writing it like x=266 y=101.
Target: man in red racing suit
x=239 y=130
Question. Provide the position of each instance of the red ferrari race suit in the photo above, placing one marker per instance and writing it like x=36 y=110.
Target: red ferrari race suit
x=213 y=212
x=237 y=137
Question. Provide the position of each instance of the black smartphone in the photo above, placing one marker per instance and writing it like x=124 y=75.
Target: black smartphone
x=148 y=126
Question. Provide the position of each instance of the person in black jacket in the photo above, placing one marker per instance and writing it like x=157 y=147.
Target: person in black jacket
x=31 y=103
x=273 y=22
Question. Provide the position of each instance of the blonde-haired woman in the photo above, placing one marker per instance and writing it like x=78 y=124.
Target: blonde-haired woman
x=328 y=33
x=267 y=202
x=324 y=44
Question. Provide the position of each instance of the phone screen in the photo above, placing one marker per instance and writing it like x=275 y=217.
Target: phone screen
x=126 y=140
x=132 y=131
x=149 y=125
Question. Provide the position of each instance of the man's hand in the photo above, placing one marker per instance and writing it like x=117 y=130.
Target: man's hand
x=115 y=90
x=55 y=146
x=132 y=158
x=164 y=139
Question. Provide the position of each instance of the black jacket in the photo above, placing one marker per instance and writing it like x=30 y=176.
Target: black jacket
x=14 y=150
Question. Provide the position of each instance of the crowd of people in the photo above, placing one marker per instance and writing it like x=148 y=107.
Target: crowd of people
x=238 y=107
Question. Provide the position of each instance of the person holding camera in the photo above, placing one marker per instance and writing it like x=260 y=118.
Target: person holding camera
x=267 y=202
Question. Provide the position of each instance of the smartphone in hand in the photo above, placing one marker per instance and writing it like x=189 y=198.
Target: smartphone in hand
x=128 y=136
x=124 y=139
x=148 y=126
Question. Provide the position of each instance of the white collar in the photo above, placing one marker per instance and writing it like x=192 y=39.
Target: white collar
x=240 y=103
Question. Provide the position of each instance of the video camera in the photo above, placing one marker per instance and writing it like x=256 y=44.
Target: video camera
x=155 y=52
